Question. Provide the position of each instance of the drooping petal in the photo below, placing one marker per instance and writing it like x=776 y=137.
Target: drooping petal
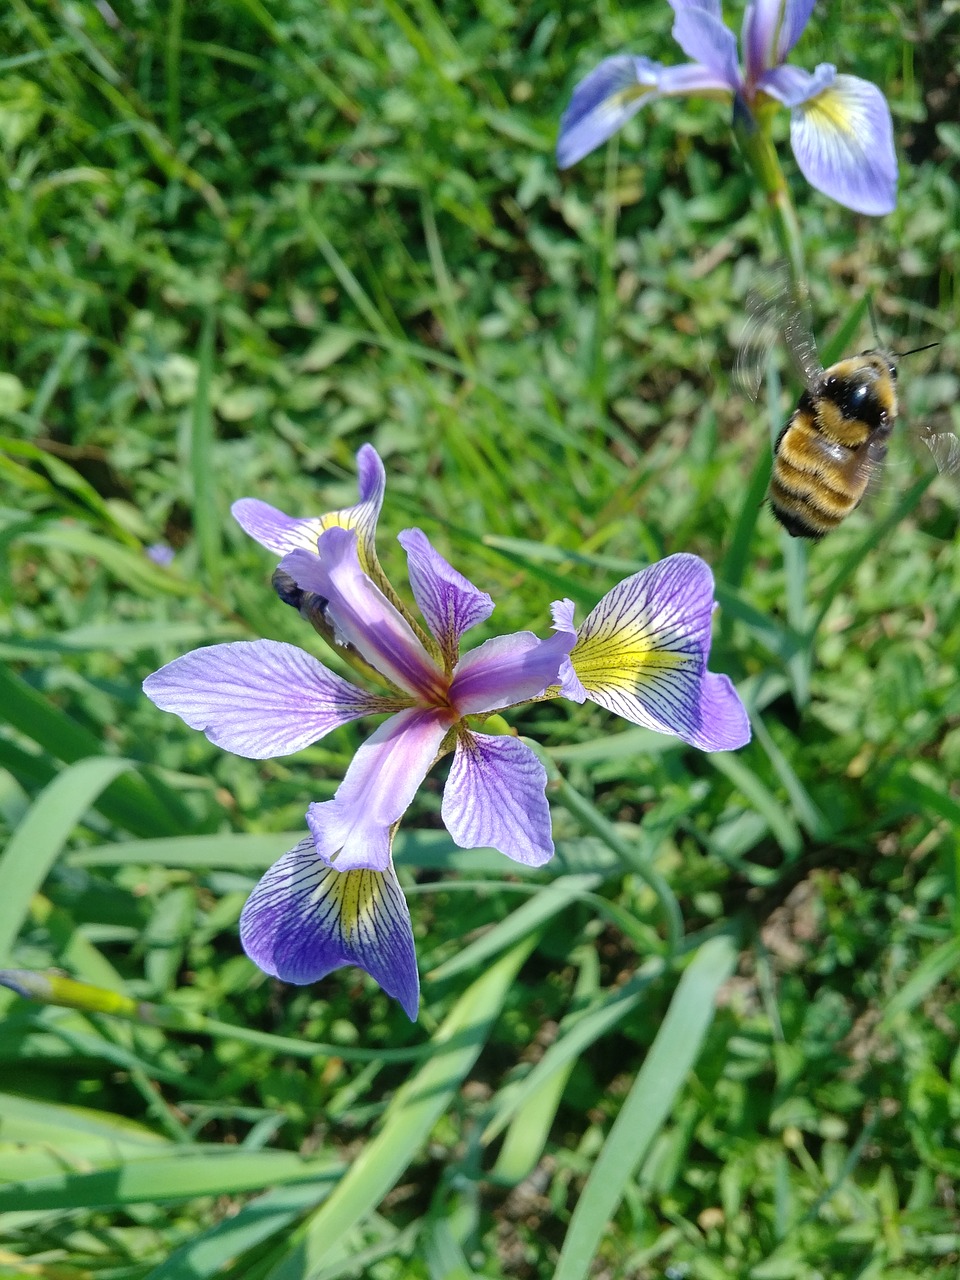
x=701 y=33
x=602 y=103
x=450 y=603
x=495 y=798
x=508 y=669
x=258 y=698
x=283 y=534
x=362 y=615
x=304 y=919
x=770 y=30
x=842 y=136
x=353 y=830
x=642 y=653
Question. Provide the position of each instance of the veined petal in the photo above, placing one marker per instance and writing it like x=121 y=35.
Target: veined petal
x=282 y=533
x=603 y=102
x=363 y=616
x=304 y=919
x=495 y=798
x=570 y=686
x=353 y=830
x=508 y=669
x=842 y=138
x=770 y=30
x=702 y=35
x=642 y=653
x=450 y=603
x=258 y=698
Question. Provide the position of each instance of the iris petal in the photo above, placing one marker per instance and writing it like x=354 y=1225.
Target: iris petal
x=602 y=103
x=362 y=616
x=495 y=798
x=705 y=39
x=642 y=653
x=770 y=30
x=258 y=698
x=508 y=669
x=450 y=603
x=304 y=919
x=282 y=533
x=354 y=829
x=842 y=138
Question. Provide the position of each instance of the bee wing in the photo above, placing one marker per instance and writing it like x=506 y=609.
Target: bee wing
x=945 y=447
x=771 y=316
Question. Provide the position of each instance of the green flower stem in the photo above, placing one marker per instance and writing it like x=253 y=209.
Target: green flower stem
x=753 y=136
x=55 y=989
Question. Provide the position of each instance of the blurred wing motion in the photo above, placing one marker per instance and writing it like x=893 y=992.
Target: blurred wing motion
x=777 y=313
x=945 y=447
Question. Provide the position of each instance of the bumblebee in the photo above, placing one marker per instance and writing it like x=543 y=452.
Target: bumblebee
x=836 y=439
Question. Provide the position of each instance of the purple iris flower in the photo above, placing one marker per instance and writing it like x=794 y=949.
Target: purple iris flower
x=334 y=899
x=642 y=653
x=840 y=127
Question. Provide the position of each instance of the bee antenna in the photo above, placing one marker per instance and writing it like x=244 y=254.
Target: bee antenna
x=913 y=352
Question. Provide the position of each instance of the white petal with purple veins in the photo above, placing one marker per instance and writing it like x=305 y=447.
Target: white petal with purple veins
x=508 y=669
x=449 y=602
x=258 y=698
x=842 y=137
x=304 y=919
x=353 y=829
x=495 y=798
x=363 y=616
x=642 y=653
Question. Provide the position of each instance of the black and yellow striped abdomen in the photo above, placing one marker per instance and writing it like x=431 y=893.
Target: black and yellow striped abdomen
x=834 y=441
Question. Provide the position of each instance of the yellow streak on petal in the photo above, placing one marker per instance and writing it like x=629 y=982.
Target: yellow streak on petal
x=832 y=109
x=623 y=658
x=357 y=895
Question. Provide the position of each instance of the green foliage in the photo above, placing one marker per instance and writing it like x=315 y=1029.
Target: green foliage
x=239 y=240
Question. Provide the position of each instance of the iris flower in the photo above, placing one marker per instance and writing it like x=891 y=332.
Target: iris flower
x=840 y=127
x=334 y=899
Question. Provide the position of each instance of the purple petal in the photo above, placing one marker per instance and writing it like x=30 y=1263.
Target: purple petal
x=793 y=85
x=353 y=830
x=363 y=616
x=303 y=920
x=703 y=37
x=258 y=698
x=450 y=603
x=642 y=653
x=842 y=138
x=495 y=798
x=508 y=669
x=160 y=553
x=770 y=30
x=282 y=533
x=603 y=102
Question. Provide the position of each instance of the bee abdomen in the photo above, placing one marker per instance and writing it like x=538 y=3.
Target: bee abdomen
x=815 y=483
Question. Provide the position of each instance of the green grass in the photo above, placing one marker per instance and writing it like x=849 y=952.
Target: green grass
x=717 y=1035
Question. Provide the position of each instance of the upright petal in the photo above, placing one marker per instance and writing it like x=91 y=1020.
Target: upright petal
x=304 y=919
x=508 y=669
x=282 y=533
x=642 y=653
x=842 y=136
x=450 y=603
x=258 y=698
x=701 y=33
x=495 y=798
x=354 y=829
x=602 y=103
x=362 y=615
x=770 y=30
